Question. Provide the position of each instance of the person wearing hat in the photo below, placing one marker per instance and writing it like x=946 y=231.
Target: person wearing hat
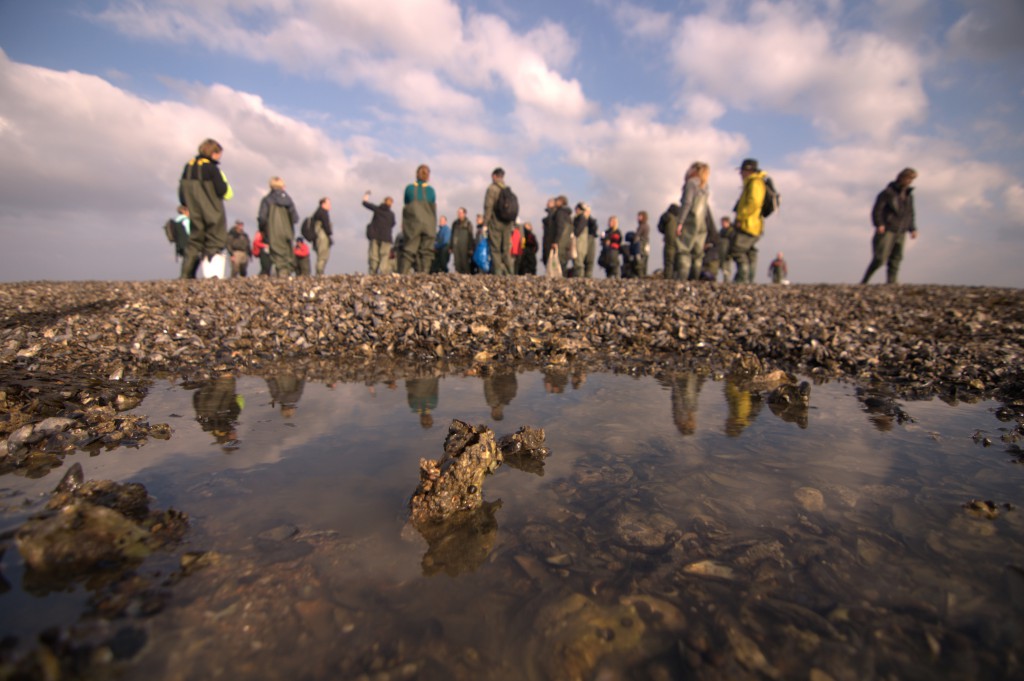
x=749 y=223
x=893 y=217
x=499 y=234
x=239 y=246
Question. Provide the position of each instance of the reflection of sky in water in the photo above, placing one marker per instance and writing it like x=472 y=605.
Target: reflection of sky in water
x=344 y=458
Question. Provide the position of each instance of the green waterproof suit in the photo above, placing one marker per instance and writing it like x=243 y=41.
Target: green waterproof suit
x=203 y=189
x=277 y=218
x=419 y=227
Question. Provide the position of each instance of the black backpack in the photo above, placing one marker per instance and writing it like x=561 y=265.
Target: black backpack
x=772 y=198
x=506 y=208
x=169 y=228
x=308 y=230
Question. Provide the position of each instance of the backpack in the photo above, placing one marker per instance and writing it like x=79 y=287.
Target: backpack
x=169 y=228
x=506 y=208
x=308 y=230
x=772 y=198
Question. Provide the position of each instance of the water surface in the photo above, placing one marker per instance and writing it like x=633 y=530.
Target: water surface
x=681 y=528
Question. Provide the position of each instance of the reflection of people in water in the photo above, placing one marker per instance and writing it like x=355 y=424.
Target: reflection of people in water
x=555 y=380
x=685 y=390
x=422 y=396
x=743 y=407
x=882 y=409
x=499 y=390
x=285 y=390
x=217 y=408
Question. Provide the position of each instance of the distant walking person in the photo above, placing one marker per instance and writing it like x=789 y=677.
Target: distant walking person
x=462 y=243
x=238 y=245
x=749 y=223
x=777 y=271
x=203 y=189
x=499 y=230
x=893 y=217
x=324 y=235
x=277 y=218
x=442 y=247
x=419 y=224
x=643 y=242
x=378 y=233
x=668 y=223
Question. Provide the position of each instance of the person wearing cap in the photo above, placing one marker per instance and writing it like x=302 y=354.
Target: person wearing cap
x=499 y=234
x=749 y=223
x=238 y=246
x=893 y=217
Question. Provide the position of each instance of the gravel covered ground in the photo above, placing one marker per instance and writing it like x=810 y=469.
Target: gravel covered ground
x=104 y=336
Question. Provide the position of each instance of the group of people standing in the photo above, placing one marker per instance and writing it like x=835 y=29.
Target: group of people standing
x=201 y=225
x=694 y=248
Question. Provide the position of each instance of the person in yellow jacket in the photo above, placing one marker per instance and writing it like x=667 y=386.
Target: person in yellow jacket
x=749 y=223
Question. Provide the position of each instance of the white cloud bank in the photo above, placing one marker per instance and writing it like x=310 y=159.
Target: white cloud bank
x=88 y=170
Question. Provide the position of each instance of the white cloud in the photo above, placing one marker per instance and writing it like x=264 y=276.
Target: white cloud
x=782 y=59
x=418 y=53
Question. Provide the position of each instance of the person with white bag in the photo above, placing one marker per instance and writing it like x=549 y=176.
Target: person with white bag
x=203 y=189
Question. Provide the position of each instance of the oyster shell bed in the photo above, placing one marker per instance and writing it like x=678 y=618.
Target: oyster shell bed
x=619 y=593
x=108 y=338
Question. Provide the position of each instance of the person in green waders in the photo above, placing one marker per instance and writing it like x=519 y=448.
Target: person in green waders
x=203 y=189
x=419 y=224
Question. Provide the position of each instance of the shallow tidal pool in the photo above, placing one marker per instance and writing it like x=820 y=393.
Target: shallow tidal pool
x=681 y=528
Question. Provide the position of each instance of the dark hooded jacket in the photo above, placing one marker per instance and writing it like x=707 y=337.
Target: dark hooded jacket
x=894 y=209
x=382 y=222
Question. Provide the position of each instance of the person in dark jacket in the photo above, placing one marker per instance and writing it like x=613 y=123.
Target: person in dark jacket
x=668 y=223
x=528 y=261
x=547 y=230
x=277 y=218
x=203 y=189
x=378 y=233
x=462 y=243
x=561 y=219
x=324 y=235
x=238 y=246
x=893 y=217
x=579 y=229
x=591 y=238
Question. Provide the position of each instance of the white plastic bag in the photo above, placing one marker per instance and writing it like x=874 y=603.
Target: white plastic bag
x=213 y=267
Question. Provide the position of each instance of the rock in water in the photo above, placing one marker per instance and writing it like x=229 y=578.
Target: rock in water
x=455 y=481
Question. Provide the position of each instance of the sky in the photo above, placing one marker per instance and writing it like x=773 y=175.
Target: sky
x=606 y=101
